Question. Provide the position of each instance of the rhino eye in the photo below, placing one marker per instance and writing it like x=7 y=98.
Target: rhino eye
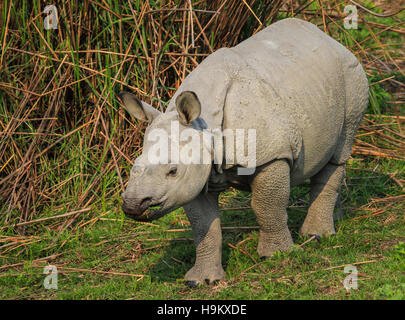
x=172 y=172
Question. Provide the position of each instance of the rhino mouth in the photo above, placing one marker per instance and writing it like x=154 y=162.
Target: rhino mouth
x=150 y=213
x=153 y=212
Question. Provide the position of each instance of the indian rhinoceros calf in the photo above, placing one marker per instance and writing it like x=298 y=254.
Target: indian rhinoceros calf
x=302 y=92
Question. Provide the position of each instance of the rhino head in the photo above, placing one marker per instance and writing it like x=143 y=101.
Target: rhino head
x=156 y=188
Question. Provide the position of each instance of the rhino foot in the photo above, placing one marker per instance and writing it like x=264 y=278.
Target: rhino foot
x=324 y=194
x=271 y=242
x=199 y=275
x=318 y=230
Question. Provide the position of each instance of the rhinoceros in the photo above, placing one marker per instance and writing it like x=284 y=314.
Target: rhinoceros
x=304 y=95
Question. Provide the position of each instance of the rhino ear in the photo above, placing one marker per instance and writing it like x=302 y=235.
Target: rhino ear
x=188 y=107
x=136 y=108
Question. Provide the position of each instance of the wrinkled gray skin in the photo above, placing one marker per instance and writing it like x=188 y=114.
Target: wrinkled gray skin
x=305 y=95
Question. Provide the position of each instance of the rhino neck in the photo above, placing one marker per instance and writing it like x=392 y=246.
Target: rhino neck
x=210 y=81
x=219 y=182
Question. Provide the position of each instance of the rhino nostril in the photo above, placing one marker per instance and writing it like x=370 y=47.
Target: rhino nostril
x=145 y=202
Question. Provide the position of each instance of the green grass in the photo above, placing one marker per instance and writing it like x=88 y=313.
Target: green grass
x=118 y=244
x=104 y=255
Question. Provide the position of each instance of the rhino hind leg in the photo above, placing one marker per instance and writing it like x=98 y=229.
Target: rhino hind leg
x=270 y=193
x=204 y=216
x=325 y=188
x=338 y=214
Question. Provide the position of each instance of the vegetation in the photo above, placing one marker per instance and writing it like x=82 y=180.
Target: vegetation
x=66 y=149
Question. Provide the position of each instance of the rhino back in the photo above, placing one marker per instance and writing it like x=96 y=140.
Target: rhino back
x=289 y=84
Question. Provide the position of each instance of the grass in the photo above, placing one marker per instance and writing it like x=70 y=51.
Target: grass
x=66 y=150
x=151 y=259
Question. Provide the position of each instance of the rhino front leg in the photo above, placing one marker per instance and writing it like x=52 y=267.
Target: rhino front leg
x=325 y=187
x=270 y=193
x=203 y=213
